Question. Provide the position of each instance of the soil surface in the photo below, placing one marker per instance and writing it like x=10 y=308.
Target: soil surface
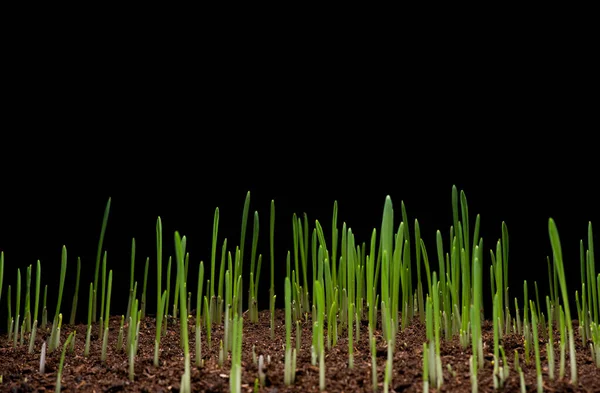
x=20 y=370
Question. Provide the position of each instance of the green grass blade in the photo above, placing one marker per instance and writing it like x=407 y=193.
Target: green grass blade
x=75 y=295
x=38 y=274
x=99 y=252
x=63 y=272
x=213 y=252
x=144 y=298
x=158 y=265
x=591 y=263
x=182 y=293
x=272 y=246
x=243 y=230
x=255 y=233
x=558 y=260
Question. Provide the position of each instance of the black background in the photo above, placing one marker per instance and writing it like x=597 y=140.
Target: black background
x=177 y=134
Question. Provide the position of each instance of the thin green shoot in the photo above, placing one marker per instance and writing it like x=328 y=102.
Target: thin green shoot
x=213 y=257
x=272 y=261
x=119 y=345
x=159 y=298
x=425 y=369
x=550 y=342
x=18 y=309
x=288 y=332
x=186 y=382
x=536 y=345
x=562 y=343
x=104 y=261
x=235 y=379
x=63 y=272
x=254 y=273
x=558 y=261
x=44 y=309
x=75 y=295
x=208 y=322
x=143 y=306
x=62 y=362
x=199 y=294
x=99 y=252
x=159 y=317
x=220 y=299
x=106 y=318
x=27 y=311
x=131 y=278
x=89 y=320
x=243 y=234
x=166 y=309
x=595 y=302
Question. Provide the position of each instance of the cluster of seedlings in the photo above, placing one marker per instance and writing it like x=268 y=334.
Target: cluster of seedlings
x=336 y=283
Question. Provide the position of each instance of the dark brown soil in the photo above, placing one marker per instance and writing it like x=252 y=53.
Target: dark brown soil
x=20 y=370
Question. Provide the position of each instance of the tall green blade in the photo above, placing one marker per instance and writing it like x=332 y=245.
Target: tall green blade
x=63 y=272
x=99 y=253
x=213 y=252
x=244 y=225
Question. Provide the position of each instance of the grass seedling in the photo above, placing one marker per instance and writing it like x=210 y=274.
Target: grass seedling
x=351 y=287
x=254 y=273
x=208 y=323
x=288 y=372
x=436 y=333
x=240 y=260
x=261 y=370
x=272 y=253
x=103 y=294
x=143 y=306
x=220 y=299
x=27 y=311
x=199 y=314
x=159 y=298
x=594 y=302
x=36 y=305
x=425 y=369
x=476 y=340
x=63 y=271
x=185 y=380
x=74 y=304
x=166 y=309
x=177 y=283
x=43 y=359
x=89 y=321
x=536 y=345
x=38 y=274
x=10 y=317
x=44 y=309
x=62 y=361
x=558 y=261
x=99 y=254
x=320 y=300
x=562 y=330
x=119 y=345
x=374 y=364
x=18 y=309
x=235 y=377
x=131 y=278
x=159 y=317
x=213 y=257
x=106 y=318
x=550 y=343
